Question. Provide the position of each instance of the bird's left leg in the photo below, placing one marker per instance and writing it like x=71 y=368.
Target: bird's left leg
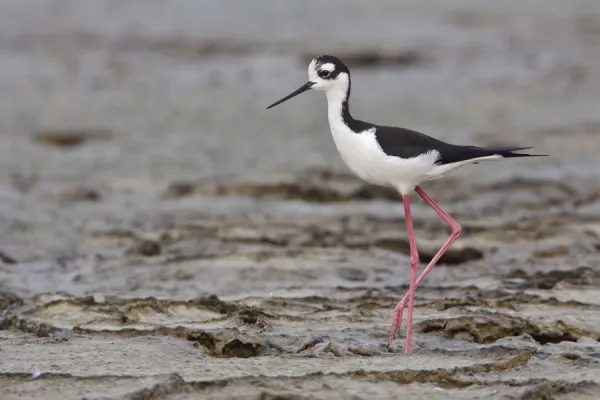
x=414 y=265
x=456 y=230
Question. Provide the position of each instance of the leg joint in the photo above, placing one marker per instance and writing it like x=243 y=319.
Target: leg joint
x=456 y=229
x=414 y=260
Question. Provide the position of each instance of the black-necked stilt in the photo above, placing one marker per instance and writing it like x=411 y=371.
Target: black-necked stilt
x=396 y=157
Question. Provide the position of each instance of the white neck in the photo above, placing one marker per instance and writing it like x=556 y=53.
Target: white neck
x=335 y=101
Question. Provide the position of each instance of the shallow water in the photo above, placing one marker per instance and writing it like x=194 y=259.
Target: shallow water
x=140 y=176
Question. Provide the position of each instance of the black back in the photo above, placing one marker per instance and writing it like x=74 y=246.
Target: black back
x=406 y=143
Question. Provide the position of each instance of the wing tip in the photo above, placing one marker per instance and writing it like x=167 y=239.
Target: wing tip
x=510 y=152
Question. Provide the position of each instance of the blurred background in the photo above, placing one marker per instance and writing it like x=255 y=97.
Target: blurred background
x=138 y=159
x=119 y=99
x=178 y=88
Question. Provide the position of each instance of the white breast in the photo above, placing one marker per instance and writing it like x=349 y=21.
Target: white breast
x=364 y=156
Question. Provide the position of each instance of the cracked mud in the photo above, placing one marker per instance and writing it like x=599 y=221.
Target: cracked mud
x=304 y=307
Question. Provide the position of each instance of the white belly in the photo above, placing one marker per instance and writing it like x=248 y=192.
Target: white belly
x=364 y=157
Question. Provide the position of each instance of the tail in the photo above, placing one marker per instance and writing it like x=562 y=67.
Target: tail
x=460 y=154
x=508 y=152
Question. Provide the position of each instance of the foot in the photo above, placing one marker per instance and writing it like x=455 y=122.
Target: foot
x=398 y=311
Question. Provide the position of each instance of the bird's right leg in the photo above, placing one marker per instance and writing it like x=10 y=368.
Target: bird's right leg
x=456 y=230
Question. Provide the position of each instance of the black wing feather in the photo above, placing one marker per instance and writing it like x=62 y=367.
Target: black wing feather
x=406 y=143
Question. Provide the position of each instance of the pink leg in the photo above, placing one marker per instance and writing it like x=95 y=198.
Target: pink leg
x=456 y=230
x=414 y=265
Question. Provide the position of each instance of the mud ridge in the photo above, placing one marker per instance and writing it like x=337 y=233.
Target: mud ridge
x=508 y=300
x=452 y=378
x=447 y=378
x=223 y=343
x=321 y=185
x=24 y=325
x=581 y=276
x=490 y=328
x=174 y=385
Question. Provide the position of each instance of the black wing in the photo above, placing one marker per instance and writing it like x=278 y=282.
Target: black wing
x=406 y=143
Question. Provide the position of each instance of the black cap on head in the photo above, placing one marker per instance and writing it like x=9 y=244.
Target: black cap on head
x=339 y=66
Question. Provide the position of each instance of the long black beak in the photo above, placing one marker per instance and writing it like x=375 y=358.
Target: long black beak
x=301 y=89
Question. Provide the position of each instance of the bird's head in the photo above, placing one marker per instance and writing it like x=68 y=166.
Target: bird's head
x=327 y=73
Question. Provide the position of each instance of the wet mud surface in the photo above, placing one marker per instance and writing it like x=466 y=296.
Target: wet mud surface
x=306 y=300
x=173 y=244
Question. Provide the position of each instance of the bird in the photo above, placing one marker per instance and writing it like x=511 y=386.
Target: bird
x=394 y=157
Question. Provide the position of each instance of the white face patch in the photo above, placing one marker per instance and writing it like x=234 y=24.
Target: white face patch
x=314 y=68
x=339 y=83
x=328 y=67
